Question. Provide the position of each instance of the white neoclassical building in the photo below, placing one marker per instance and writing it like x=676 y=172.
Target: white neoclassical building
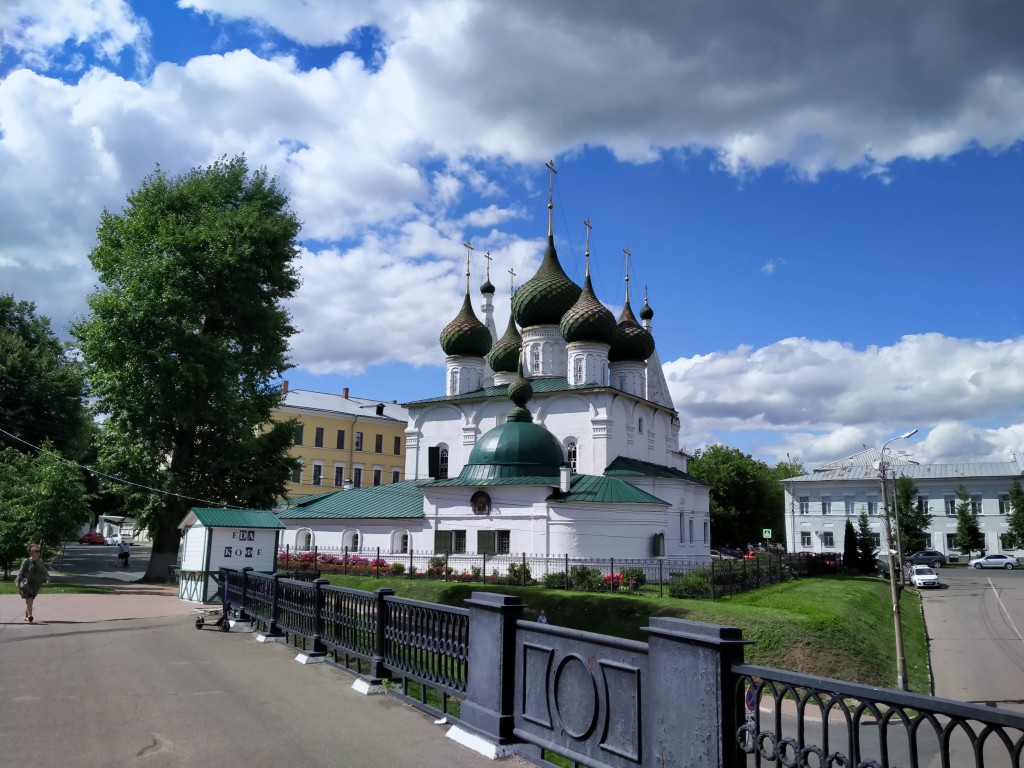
x=818 y=504
x=558 y=438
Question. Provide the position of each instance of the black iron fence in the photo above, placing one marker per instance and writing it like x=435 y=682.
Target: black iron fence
x=684 y=698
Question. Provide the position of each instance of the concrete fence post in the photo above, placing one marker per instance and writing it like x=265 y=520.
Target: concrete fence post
x=691 y=702
x=489 y=706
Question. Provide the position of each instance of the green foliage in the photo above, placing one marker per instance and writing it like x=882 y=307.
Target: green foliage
x=914 y=520
x=694 y=584
x=397 y=568
x=187 y=332
x=746 y=495
x=44 y=500
x=519 y=573
x=584 y=579
x=968 y=530
x=42 y=385
x=1015 y=517
x=866 y=551
x=633 y=578
x=555 y=580
x=851 y=558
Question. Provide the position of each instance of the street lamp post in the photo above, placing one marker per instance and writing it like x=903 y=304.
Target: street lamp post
x=901 y=659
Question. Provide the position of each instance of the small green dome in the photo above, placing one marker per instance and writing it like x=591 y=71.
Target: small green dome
x=646 y=313
x=465 y=335
x=545 y=297
x=504 y=355
x=588 y=319
x=631 y=341
x=487 y=287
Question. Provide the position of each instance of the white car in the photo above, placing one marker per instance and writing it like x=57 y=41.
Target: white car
x=995 y=561
x=923 y=576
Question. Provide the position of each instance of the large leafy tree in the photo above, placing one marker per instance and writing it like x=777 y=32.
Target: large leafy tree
x=1015 y=517
x=968 y=531
x=913 y=518
x=746 y=495
x=43 y=500
x=42 y=385
x=187 y=331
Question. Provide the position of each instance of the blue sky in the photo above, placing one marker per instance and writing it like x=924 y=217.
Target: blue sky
x=825 y=201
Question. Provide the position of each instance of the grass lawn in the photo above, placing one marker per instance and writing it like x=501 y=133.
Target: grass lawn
x=9 y=587
x=839 y=627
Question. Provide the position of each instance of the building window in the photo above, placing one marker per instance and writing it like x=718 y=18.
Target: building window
x=442 y=463
x=949 y=500
x=705 y=531
x=359 y=441
x=682 y=528
x=378 y=444
x=577 y=370
x=805 y=505
x=493 y=542
x=805 y=538
x=304 y=541
x=535 y=358
x=398 y=446
x=1004 y=504
x=950 y=541
x=357 y=477
x=318 y=438
x=377 y=473
x=922 y=503
x=354 y=542
x=297 y=473
x=976 y=503
x=827 y=539
x=396 y=476
x=1004 y=542
x=298 y=434
x=848 y=504
x=339 y=475
x=640 y=425
x=318 y=473
x=872 y=507
x=453 y=542
x=690 y=530
x=570 y=451
x=876 y=539
x=826 y=505
x=480 y=503
x=454 y=386
x=341 y=439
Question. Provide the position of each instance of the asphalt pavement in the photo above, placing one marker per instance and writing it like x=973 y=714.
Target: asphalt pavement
x=125 y=679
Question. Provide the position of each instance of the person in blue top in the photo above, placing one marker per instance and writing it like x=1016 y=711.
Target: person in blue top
x=31 y=577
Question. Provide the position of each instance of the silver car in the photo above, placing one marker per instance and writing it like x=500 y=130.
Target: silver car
x=995 y=561
x=922 y=576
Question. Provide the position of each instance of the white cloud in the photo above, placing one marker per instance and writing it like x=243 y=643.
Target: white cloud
x=823 y=400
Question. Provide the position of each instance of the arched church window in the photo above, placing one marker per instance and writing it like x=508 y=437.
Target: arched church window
x=305 y=540
x=535 y=357
x=453 y=387
x=354 y=542
x=640 y=425
x=403 y=543
x=481 y=503
x=442 y=464
x=570 y=453
x=577 y=372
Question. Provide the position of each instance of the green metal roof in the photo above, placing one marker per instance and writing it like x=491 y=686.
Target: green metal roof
x=395 y=500
x=231 y=518
x=594 y=489
x=623 y=467
x=460 y=482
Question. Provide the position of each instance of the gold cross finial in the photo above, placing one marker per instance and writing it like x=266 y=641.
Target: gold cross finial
x=488 y=257
x=586 y=223
x=469 y=252
x=626 y=251
x=550 y=165
x=512 y=281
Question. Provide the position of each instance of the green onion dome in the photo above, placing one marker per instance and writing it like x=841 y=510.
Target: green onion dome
x=504 y=355
x=517 y=448
x=465 y=335
x=545 y=297
x=631 y=341
x=588 y=319
x=646 y=313
x=487 y=287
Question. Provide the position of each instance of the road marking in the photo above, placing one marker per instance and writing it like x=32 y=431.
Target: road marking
x=1003 y=609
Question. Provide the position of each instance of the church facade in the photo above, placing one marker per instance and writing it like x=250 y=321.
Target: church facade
x=558 y=438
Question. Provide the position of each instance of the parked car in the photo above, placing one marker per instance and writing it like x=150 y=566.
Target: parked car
x=930 y=557
x=882 y=569
x=93 y=537
x=719 y=555
x=994 y=561
x=923 y=576
x=118 y=538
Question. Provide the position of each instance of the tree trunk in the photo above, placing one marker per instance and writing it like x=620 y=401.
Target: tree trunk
x=166 y=540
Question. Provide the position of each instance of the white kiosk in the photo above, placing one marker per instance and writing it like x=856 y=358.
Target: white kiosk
x=224 y=538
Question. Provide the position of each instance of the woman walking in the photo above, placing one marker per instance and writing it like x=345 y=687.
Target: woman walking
x=31 y=576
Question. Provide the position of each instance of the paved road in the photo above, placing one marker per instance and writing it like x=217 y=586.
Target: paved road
x=975 y=627
x=125 y=679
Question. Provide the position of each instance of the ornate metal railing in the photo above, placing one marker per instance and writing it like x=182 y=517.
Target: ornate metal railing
x=349 y=622
x=797 y=720
x=427 y=642
x=296 y=611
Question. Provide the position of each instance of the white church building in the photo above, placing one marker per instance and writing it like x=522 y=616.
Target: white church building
x=557 y=439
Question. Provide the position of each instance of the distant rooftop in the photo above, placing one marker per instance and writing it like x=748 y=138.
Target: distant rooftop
x=352 y=406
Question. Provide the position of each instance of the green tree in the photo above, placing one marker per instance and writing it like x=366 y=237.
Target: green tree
x=746 y=495
x=913 y=518
x=42 y=385
x=44 y=499
x=867 y=552
x=187 y=331
x=851 y=559
x=1015 y=518
x=968 y=531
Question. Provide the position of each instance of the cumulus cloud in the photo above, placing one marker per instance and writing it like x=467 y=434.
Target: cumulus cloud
x=824 y=400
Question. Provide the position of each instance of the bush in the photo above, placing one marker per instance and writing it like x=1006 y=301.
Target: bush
x=584 y=579
x=519 y=573
x=634 y=578
x=397 y=569
x=555 y=580
x=694 y=583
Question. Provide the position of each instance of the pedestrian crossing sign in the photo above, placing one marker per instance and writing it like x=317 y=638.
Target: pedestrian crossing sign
x=766 y=533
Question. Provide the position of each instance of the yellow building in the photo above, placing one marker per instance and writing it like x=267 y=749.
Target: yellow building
x=343 y=441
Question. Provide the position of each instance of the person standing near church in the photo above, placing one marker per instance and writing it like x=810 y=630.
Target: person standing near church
x=31 y=577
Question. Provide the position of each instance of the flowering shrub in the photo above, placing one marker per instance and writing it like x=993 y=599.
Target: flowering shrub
x=612 y=581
